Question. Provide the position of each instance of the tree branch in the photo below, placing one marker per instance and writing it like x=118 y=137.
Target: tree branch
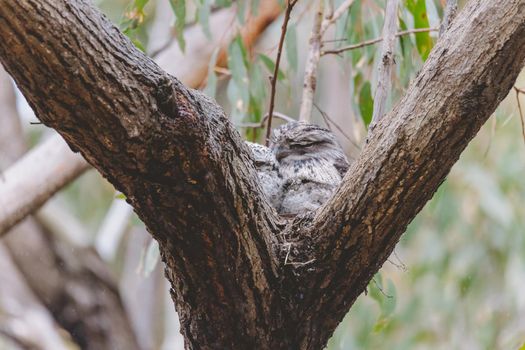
x=21 y=192
x=170 y=150
x=189 y=176
x=327 y=22
x=69 y=278
x=522 y=116
x=385 y=65
x=312 y=63
x=375 y=41
x=406 y=158
x=273 y=79
x=191 y=68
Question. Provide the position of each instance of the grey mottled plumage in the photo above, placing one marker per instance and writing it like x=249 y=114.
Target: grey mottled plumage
x=311 y=163
x=302 y=167
x=268 y=172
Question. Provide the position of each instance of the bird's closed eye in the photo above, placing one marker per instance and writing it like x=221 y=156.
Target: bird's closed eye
x=305 y=144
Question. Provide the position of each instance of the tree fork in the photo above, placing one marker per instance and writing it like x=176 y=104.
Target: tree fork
x=189 y=177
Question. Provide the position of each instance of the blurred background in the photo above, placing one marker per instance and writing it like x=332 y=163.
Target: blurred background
x=455 y=281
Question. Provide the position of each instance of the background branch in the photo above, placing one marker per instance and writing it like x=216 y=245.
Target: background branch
x=522 y=116
x=386 y=62
x=191 y=67
x=327 y=22
x=375 y=41
x=312 y=63
x=69 y=279
x=406 y=158
x=273 y=79
x=171 y=151
x=21 y=192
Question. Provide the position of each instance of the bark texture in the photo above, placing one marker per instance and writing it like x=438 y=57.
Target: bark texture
x=188 y=175
x=72 y=282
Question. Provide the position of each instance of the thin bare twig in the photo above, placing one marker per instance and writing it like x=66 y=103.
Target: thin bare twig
x=451 y=10
x=384 y=69
x=301 y=263
x=260 y=124
x=493 y=126
x=329 y=9
x=381 y=289
x=312 y=63
x=329 y=121
x=522 y=117
x=374 y=41
x=329 y=20
x=289 y=6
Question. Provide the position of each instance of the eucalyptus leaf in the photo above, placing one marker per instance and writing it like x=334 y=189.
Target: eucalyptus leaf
x=418 y=9
x=291 y=47
x=366 y=103
x=179 y=8
x=270 y=65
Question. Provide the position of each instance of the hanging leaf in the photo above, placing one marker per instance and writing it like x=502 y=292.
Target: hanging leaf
x=355 y=30
x=140 y=4
x=258 y=84
x=418 y=9
x=291 y=47
x=203 y=15
x=366 y=103
x=179 y=8
x=241 y=10
x=211 y=85
x=223 y=3
x=237 y=61
x=238 y=87
x=270 y=65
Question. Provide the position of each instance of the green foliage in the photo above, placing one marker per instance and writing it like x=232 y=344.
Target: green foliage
x=460 y=278
x=132 y=23
x=203 y=16
x=179 y=8
x=291 y=47
x=211 y=85
x=456 y=277
x=247 y=90
x=270 y=65
x=424 y=42
x=366 y=103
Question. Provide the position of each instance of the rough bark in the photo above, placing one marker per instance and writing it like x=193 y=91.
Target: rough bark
x=71 y=281
x=190 y=67
x=187 y=174
x=169 y=149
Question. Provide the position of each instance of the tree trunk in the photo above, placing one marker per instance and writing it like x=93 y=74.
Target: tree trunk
x=188 y=175
x=72 y=282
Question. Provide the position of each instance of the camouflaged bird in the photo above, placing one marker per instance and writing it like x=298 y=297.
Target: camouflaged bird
x=301 y=169
x=268 y=172
x=311 y=164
